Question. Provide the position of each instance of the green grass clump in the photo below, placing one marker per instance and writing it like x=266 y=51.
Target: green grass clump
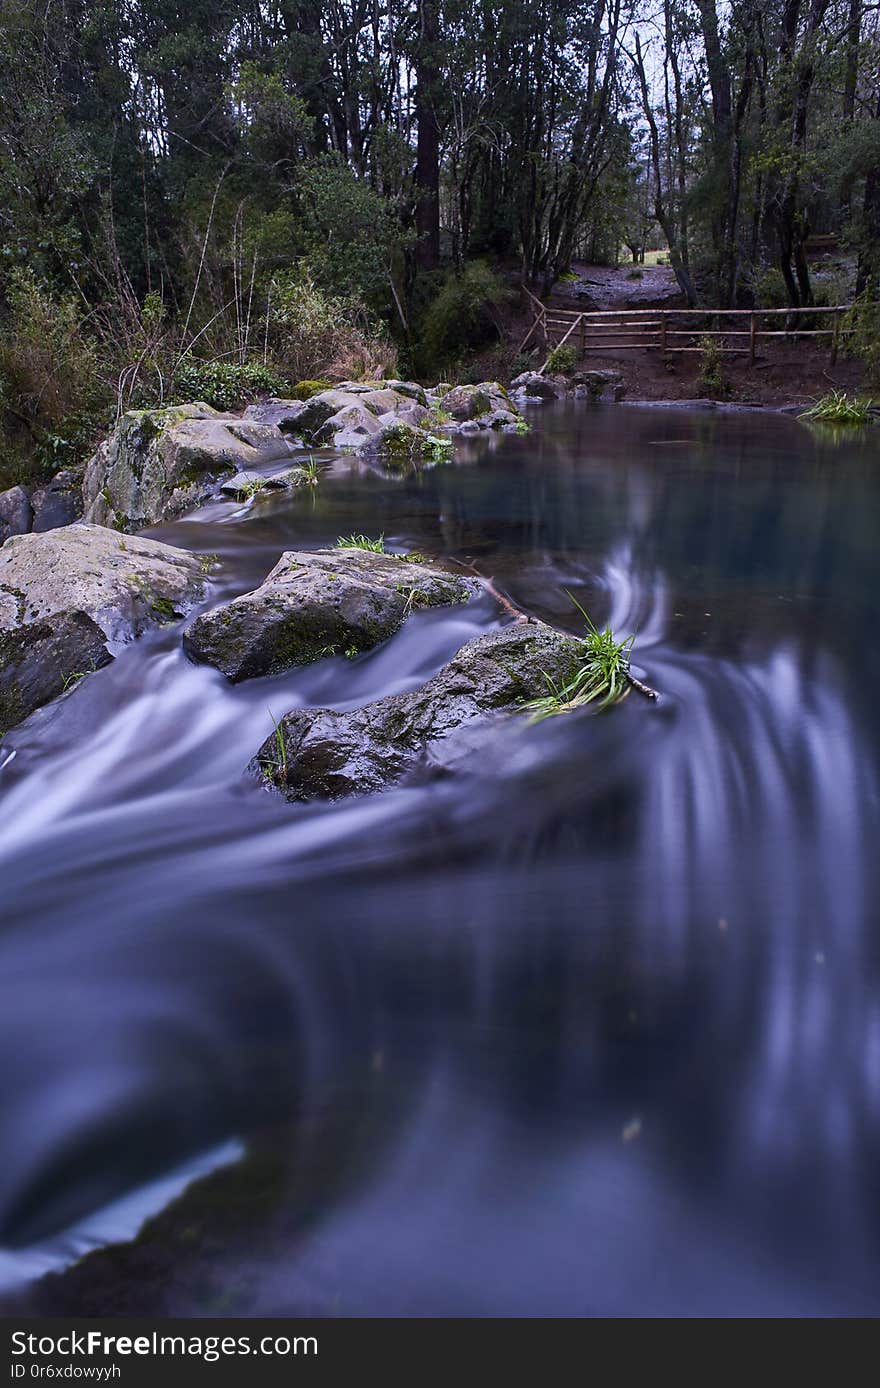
x=307 y=474
x=600 y=678
x=840 y=408
x=361 y=542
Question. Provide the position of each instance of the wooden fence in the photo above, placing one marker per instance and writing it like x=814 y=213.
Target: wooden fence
x=667 y=330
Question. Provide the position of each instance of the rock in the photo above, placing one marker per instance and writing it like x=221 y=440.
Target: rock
x=409 y=388
x=319 y=603
x=281 y=414
x=530 y=384
x=60 y=502
x=355 y=420
x=396 y=441
x=321 y=407
x=158 y=463
x=473 y=402
x=329 y=755
x=16 y=513
x=66 y=595
x=411 y=413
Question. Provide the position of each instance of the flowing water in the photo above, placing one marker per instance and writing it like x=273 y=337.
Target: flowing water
x=585 y=1022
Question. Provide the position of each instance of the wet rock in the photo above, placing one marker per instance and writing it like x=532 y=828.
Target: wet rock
x=158 y=463
x=60 y=502
x=476 y=402
x=281 y=414
x=319 y=603
x=395 y=440
x=70 y=598
x=411 y=413
x=354 y=420
x=16 y=513
x=329 y=755
x=534 y=387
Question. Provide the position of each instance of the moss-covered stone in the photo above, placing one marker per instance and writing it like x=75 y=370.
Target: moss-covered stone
x=314 y=604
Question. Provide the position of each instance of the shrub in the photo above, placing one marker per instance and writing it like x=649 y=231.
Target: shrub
x=462 y=315
x=224 y=384
x=770 y=290
x=562 y=358
x=313 y=335
x=710 y=381
x=51 y=392
x=861 y=327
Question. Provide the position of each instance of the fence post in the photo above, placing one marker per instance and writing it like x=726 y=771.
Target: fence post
x=835 y=338
x=752 y=335
x=663 y=329
x=583 y=337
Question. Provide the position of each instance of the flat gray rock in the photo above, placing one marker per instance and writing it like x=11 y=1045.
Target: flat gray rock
x=327 y=755
x=70 y=598
x=317 y=603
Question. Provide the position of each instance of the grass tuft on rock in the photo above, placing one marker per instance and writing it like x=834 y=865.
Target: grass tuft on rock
x=601 y=676
x=361 y=542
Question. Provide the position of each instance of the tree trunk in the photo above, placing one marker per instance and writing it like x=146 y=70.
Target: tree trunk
x=428 y=147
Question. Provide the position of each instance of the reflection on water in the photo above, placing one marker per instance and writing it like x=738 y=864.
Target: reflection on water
x=590 y=1026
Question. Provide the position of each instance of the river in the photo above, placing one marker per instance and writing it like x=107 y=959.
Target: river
x=586 y=1022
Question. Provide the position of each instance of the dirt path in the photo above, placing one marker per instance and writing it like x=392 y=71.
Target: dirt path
x=601 y=286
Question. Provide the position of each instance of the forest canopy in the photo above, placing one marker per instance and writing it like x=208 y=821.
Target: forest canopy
x=353 y=187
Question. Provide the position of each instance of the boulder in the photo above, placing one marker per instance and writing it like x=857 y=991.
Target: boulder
x=395 y=441
x=410 y=413
x=59 y=502
x=319 y=603
x=353 y=420
x=475 y=402
x=410 y=389
x=16 y=513
x=329 y=755
x=158 y=463
x=281 y=414
x=529 y=385
x=71 y=598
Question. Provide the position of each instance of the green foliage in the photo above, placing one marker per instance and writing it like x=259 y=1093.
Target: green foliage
x=840 y=408
x=349 y=233
x=311 y=333
x=770 y=290
x=460 y=313
x=361 y=542
x=224 y=384
x=562 y=358
x=710 y=381
x=861 y=329
x=600 y=677
x=51 y=391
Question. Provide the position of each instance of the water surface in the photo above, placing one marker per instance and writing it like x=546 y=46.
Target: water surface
x=586 y=1022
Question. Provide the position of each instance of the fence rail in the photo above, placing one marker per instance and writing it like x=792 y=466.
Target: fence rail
x=738 y=331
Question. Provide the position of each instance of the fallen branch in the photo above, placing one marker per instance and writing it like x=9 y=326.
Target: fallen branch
x=645 y=689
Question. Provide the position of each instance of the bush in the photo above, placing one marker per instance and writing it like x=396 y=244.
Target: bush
x=861 y=327
x=770 y=290
x=313 y=335
x=462 y=314
x=562 y=358
x=225 y=384
x=51 y=392
x=710 y=380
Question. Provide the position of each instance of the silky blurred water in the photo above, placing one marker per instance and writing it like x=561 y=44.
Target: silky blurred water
x=586 y=1021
